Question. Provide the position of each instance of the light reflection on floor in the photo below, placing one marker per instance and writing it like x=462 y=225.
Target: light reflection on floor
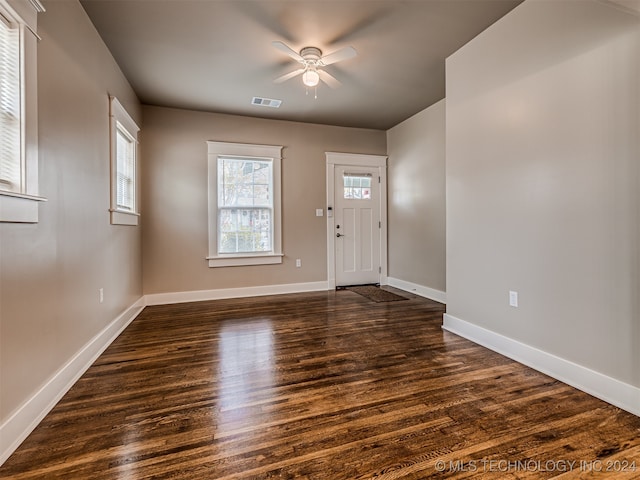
x=246 y=367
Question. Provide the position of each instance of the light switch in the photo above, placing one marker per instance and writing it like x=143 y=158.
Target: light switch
x=319 y=212
x=513 y=298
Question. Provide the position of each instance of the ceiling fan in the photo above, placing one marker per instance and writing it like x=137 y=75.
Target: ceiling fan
x=312 y=62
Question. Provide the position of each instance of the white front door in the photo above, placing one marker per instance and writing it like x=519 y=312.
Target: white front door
x=357 y=225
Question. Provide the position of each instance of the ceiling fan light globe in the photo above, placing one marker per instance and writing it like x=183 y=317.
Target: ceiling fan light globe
x=310 y=78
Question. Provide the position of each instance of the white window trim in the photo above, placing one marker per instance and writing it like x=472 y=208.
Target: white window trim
x=118 y=115
x=259 y=152
x=22 y=206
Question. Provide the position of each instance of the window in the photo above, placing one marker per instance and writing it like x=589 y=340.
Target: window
x=18 y=111
x=124 y=148
x=357 y=186
x=244 y=204
x=10 y=111
x=125 y=170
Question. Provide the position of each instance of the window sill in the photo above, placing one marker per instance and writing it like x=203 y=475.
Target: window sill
x=118 y=217
x=19 y=208
x=243 y=260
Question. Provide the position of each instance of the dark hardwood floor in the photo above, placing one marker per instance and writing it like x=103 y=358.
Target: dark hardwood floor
x=324 y=385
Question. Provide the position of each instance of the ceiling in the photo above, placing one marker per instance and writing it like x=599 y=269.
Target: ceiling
x=215 y=55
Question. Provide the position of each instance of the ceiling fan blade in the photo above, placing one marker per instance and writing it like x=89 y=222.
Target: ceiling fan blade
x=289 y=75
x=339 y=55
x=286 y=49
x=329 y=79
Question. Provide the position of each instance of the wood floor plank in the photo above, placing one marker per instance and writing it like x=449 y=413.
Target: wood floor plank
x=323 y=385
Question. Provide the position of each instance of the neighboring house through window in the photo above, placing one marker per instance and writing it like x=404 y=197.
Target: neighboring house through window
x=19 y=196
x=244 y=204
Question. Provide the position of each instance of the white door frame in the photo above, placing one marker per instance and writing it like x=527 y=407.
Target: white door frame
x=357 y=160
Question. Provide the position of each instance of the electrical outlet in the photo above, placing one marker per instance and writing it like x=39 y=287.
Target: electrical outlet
x=513 y=298
x=298 y=263
x=101 y=295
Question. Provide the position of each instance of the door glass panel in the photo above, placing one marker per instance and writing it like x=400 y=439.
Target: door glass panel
x=357 y=186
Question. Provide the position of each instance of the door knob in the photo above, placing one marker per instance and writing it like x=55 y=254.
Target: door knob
x=339 y=235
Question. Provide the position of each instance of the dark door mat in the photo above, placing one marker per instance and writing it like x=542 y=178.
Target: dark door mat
x=375 y=294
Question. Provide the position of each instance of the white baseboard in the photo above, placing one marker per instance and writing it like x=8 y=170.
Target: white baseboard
x=615 y=392
x=27 y=417
x=423 y=291
x=222 y=293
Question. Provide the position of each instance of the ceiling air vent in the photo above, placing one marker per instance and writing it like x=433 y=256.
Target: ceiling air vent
x=265 y=102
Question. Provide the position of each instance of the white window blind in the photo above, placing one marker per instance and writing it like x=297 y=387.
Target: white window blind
x=10 y=108
x=126 y=170
x=19 y=192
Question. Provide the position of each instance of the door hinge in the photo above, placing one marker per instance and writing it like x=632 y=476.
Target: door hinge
x=379 y=269
x=379 y=224
x=378 y=179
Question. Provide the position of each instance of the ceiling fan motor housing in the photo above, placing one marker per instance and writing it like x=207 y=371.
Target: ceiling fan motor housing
x=311 y=55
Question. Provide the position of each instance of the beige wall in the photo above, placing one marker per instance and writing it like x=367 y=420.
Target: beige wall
x=543 y=182
x=416 y=149
x=50 y=272
x=175 y=241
